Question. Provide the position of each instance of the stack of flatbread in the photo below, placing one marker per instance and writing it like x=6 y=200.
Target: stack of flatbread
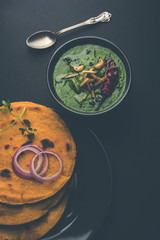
x=29 y=208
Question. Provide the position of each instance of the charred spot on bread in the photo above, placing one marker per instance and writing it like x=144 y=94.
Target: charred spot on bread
x=5 y=173
x=27 y=122
x=46 y=143
x=36 y=108
x=6 y=146
x=12 y=121
x=68 y=147
x=26 y=143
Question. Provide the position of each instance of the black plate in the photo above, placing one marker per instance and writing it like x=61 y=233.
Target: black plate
x=81 y=41
x=90 y=190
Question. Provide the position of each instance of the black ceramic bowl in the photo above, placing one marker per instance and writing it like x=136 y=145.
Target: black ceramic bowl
x=80 y=41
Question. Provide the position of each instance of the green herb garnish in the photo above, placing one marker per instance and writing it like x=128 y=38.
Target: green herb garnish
x=7 y=105
x=27 y=128
x=30 y=131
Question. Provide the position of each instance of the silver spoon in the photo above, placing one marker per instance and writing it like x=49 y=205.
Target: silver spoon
x=45 y=38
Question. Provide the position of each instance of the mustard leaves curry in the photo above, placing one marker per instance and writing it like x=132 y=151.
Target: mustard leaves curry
x=89 y=78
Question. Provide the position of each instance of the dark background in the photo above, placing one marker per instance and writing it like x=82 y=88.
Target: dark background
x=130 y=132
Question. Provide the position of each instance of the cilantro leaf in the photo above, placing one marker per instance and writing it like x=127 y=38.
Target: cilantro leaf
x=7 y=105
x=30 y=136
x=4 y=103
x=22 y=130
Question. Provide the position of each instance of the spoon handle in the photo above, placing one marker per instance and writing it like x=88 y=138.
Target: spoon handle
x=103 y=17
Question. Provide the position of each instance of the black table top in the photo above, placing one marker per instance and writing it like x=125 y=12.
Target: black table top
x=130 y=132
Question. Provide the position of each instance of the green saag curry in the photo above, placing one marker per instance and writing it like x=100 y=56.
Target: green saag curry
x=89 y=61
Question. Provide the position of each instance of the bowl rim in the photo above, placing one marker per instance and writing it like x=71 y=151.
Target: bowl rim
x=92 y=113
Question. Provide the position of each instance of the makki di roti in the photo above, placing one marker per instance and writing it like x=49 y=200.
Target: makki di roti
x=52 y=134
x=36 y=229
x=20 y=214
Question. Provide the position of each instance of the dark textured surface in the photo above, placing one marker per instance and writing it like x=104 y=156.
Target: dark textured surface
x=130 y=132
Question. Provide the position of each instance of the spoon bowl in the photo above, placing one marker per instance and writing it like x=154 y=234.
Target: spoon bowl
x=42 y=39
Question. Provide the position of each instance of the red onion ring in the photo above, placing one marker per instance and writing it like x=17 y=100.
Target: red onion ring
x=24 y=173
x=45 y=179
